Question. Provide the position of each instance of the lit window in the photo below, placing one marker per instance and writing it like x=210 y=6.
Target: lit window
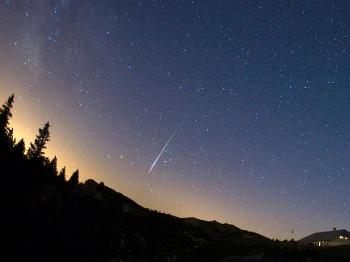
x=341 y=237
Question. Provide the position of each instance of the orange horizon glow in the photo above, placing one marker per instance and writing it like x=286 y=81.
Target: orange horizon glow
x=27 y=128
x=130 y=182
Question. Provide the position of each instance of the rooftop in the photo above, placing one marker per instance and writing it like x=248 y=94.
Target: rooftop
x=325 y=236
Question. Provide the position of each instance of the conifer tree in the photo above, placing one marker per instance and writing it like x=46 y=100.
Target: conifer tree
x=5 y=113
x=62 y=174
x=18 y=150
x=53 y=166
x=6 y=134
x=11 y=139
x=36 y=150
x=74 y=179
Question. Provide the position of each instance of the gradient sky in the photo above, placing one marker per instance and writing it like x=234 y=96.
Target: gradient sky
x=257 y=91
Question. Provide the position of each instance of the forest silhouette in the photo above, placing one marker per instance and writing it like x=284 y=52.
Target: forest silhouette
x=48 y=217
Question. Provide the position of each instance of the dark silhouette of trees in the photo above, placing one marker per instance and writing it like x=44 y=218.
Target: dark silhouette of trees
x=74 y=179
x=18 y=150
x=5 y=114
x=62 y=174
x=53 y=167
x=6 y=133
x=36 y=150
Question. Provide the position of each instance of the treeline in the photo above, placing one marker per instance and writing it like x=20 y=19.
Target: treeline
x=47 y=217
x=16 y=159
x=40 y=205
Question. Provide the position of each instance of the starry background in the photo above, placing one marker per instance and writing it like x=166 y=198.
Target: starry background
x=258 y=92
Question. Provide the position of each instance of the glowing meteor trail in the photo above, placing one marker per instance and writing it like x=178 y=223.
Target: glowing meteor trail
x=161 y=152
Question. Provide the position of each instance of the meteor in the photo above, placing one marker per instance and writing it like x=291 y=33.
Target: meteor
x=161 y=152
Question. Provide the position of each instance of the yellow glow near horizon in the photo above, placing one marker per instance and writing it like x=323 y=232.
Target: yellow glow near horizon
x=28 y=118
x=26 y=122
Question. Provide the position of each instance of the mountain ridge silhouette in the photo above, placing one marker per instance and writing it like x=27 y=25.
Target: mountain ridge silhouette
x=47 y=217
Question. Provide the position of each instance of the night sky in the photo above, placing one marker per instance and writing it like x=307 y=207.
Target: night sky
x=250 y=101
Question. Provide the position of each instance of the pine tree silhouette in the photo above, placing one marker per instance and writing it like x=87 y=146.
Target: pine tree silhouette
x=5 y=113
x=36 y=150
x=18 y=150
x=74 y=179
x=53 y=166
x=62 y=174
x=6 y=133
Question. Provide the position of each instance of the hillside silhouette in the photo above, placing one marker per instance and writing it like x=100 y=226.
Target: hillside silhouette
x=48 y=216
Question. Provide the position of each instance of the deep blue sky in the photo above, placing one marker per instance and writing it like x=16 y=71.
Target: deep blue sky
x=258 y=91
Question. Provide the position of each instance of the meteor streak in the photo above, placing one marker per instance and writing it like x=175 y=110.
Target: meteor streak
x=161 y=152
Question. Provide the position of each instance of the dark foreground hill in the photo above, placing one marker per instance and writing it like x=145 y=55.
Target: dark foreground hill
x=91 y=222
x=46 y=217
